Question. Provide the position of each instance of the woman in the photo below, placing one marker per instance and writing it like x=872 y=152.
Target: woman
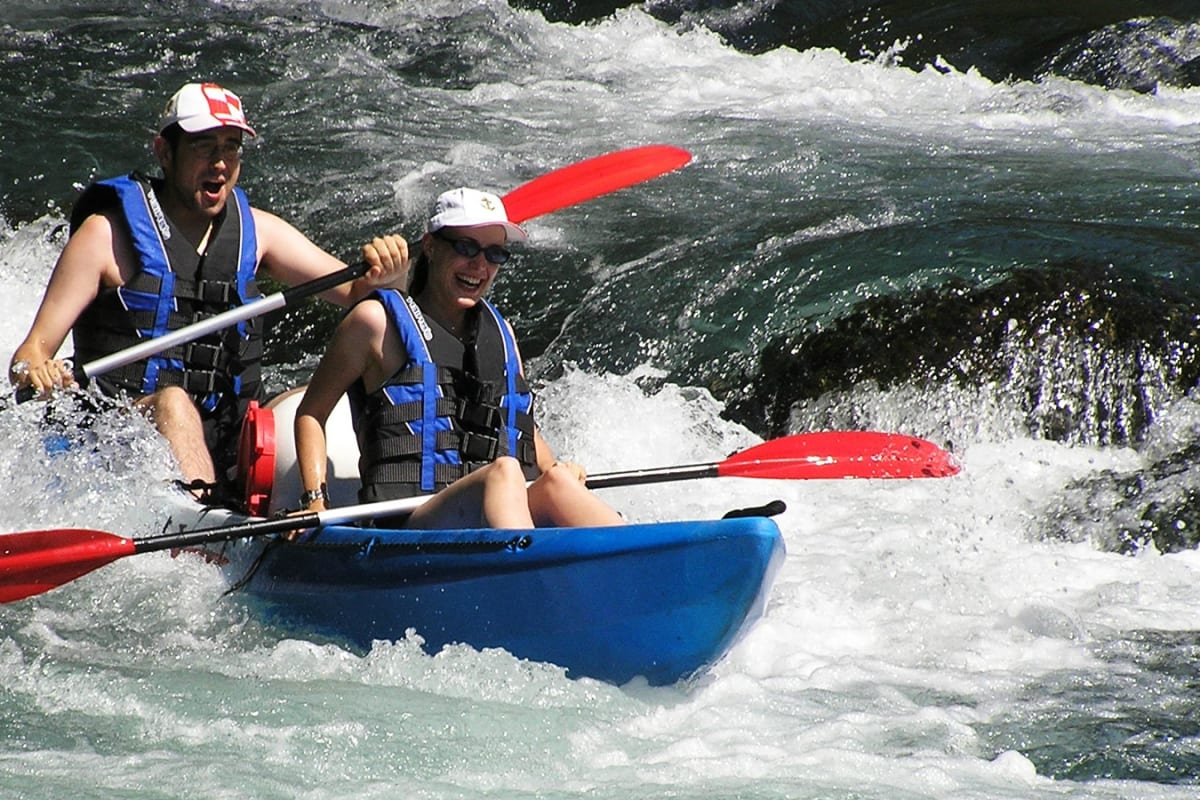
x=437 y=391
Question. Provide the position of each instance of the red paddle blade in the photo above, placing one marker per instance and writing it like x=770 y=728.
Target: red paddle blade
x=591 y=178
x=841 y=454
x=37 y=561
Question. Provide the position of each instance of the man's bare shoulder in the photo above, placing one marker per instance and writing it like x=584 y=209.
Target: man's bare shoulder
x=97 y=247
x=266 y=222
x=97 y=224
x=96 y=236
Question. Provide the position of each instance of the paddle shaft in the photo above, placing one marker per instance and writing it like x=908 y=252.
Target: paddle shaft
x=309 y=519
x=264 y=305
x=637 y=477
x=386 y=508
x=37 y=561
x=204 y=327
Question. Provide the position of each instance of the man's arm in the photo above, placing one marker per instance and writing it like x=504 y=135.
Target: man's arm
x=86 y=263
x=291 y=258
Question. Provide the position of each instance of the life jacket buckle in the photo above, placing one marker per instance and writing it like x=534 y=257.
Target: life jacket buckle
x=218 y=292
x=479 y=447
x=474 y=415
x=205 y=356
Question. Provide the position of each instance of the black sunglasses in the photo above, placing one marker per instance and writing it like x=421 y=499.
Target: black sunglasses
x=469 y=248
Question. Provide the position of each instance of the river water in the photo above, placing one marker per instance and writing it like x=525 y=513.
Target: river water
x=990 y=635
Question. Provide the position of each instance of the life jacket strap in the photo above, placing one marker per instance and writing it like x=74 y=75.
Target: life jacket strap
x=400 y=413
x=409 y=472
x=395 y=447
x=470 y=414
x=195 y=382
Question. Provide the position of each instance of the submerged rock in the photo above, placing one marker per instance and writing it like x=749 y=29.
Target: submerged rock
x=1155 y=507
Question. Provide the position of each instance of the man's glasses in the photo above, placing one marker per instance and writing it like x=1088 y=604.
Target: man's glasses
x=469 y=248
x=211 y=149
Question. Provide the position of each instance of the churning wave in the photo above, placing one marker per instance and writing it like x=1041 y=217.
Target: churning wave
x=1133 y=46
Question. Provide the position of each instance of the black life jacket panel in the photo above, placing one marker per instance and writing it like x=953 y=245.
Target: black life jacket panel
x=451 y=409
x=175 y=287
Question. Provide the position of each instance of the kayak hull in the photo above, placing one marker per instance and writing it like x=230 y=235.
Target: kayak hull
x=658 y=601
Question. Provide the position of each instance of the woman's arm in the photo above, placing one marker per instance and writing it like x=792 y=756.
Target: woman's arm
x=355 y=353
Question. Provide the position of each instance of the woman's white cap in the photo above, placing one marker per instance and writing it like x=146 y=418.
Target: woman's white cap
x=471 y=208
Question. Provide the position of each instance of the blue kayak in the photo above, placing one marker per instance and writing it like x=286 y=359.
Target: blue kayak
x=658 y=600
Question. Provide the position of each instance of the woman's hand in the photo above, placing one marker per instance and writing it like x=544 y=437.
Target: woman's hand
x=575 y=469
x=387 y=261
x=293 y=535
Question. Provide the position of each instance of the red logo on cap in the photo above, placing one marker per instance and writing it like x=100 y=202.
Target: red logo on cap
x=222 y=104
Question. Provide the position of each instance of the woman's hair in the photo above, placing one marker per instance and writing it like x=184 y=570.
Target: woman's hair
x=420 y=274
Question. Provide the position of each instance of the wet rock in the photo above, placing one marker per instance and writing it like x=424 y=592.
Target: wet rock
x=1088 y=354
x=1156 y=507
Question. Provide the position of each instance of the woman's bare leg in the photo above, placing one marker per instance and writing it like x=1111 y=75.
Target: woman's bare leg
x=491 y=497
x=559 y=499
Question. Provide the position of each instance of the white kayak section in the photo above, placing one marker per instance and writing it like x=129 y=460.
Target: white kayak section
x=341 y=464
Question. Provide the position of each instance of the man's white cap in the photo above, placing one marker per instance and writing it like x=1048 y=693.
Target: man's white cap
x=204 y=106
x=471 y=208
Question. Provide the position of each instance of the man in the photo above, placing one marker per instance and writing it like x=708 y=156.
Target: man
x=146 y=256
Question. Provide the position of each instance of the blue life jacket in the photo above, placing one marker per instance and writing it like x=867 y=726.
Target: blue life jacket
x=174 y=288
x=452 y=408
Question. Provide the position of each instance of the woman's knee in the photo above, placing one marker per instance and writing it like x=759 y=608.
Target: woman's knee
x=505 y=469
x=559 y=479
